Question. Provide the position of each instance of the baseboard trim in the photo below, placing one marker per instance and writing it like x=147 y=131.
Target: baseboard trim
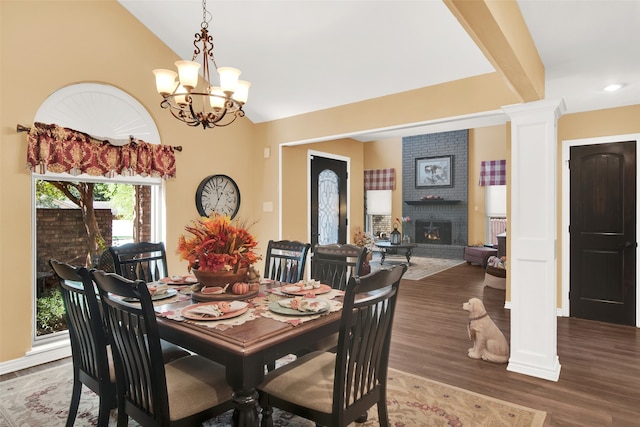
x=55 y=350
x=559 y=311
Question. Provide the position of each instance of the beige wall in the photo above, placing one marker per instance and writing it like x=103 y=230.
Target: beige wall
x=487 y=143
x=382 y=154
x=50 y=44
x=295 y=184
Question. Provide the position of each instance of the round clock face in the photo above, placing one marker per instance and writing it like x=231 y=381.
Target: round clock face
x=218 y=193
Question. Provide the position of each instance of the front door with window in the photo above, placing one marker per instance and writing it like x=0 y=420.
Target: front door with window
x=328 y=201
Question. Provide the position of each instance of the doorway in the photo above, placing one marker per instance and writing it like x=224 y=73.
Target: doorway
x=600 y=274
x=328 y=182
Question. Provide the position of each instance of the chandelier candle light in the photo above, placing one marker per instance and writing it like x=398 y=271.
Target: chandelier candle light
x=211 y=106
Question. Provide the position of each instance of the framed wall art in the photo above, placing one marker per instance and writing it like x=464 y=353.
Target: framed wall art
x=434 y=172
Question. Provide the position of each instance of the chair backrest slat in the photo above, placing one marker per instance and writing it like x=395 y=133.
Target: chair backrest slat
x=285 y=260
x=335 y=264
x=140 y=261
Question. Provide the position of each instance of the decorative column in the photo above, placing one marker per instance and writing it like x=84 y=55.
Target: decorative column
x=532 y=235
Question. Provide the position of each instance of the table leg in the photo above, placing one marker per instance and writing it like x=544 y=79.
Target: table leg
x=245 y=412
x=384 y=254
x=408 y=254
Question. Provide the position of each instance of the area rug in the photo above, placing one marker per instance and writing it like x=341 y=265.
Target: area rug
x=42 y=399
x=420 y=267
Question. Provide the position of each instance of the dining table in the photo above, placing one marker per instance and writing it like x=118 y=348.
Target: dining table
x=246 y=343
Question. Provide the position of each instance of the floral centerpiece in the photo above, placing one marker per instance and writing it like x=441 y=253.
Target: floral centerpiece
x=362 y=239
x=219 y=246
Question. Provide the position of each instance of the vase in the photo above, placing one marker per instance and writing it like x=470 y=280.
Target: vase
x=365 y=268
x=220 y=278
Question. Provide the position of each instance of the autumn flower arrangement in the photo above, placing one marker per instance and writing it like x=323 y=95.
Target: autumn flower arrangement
x=362 y=239
x=217 y=244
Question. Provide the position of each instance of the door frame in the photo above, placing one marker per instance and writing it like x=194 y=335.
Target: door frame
x=566 y=283
x=347 y=160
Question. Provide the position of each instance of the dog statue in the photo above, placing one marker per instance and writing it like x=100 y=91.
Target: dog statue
x=488 y=341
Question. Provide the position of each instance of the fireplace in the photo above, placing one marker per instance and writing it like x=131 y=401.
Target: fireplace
x=433 y=232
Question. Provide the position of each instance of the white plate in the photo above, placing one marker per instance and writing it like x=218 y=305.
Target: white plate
x=298 y=291
x=170 y=292
x=276 y=307
x=237 y=307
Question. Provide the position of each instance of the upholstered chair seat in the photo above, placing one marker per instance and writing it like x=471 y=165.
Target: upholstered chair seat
x=194 y=384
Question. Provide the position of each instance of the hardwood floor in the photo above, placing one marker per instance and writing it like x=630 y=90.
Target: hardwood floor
x=600 y=363
x=600 y=377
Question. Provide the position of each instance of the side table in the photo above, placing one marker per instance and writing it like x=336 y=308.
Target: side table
x=389 y=249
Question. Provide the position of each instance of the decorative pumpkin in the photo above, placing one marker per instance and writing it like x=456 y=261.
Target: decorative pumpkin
x=240 y=288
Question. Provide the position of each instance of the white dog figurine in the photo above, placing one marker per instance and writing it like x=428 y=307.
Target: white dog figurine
x=488 y=341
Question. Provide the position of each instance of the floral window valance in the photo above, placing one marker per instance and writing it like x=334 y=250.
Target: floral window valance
x=58 y=149
x=380 y=179
x=493 y=172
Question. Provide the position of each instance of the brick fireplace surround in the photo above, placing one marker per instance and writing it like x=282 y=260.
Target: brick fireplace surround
x=449 y=213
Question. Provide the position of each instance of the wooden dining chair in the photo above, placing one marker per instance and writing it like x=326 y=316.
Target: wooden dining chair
x=285 y=260
x=184 y=392
x=90 y=352
x=105 y=262
x=334 y=264
x=141 y=260
x=335 y=389
x=90 y=349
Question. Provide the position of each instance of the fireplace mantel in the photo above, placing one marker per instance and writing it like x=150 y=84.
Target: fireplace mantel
x=432 y=202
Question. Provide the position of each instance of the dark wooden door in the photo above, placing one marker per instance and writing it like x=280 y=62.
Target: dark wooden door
x=328 y=201
x=603 y=232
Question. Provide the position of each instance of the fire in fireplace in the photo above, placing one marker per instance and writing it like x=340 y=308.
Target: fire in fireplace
x=433 y=232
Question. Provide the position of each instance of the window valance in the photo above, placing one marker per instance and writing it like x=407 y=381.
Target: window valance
x=493 y=172
x=58 y=149
x=380 y=179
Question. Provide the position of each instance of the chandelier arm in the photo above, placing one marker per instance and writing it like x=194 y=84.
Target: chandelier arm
x=221 y=125
x=179 y=114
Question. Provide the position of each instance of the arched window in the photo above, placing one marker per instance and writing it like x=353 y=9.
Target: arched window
x=107 y=112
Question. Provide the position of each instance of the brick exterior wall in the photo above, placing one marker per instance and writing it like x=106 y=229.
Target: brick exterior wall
x=381 y=224
x=453 y=143
x=143 y=214
x=60 y=234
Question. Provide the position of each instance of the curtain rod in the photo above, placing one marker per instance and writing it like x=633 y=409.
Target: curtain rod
x=21 y=128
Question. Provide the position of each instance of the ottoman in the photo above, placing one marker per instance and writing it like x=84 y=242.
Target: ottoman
x=478 y=254
x=495 y=277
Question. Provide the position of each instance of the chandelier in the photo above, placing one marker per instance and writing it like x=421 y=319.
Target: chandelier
x=210 y=105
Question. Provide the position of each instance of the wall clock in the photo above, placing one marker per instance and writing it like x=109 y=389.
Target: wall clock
x=218 y=193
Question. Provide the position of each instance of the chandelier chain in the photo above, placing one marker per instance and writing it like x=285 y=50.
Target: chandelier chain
x=206 y=15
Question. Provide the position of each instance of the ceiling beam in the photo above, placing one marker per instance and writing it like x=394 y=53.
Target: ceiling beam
x=499 y=30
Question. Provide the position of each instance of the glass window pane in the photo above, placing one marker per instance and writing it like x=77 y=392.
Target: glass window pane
x=328 y=207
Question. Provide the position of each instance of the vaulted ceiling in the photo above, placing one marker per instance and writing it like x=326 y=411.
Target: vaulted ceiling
x=308 y=55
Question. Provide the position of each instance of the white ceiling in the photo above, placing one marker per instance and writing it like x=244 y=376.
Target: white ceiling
x=308 y=55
